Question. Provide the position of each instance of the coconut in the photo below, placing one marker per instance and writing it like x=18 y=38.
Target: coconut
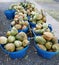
x=25 y=42
x=13 y=23
x=42 y=47
x=24 y=27
x=48 y=45
x=40 y=40
x=16 y=16
x=8 y=33
x=48 y=35
x=21 y=36
x=18 y=43
x=45 y=25
x=40 y=16
x=14 y=31
x=18 y=26
x=3 y=40
x=44 y=19
x=26 y=23
x=11 y=39
x=28 y=12
x=55 y=47
x=38 y=26
x=10 y=47
x=19 y=48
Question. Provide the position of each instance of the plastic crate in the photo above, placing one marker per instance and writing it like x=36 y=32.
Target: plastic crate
x=9 y=14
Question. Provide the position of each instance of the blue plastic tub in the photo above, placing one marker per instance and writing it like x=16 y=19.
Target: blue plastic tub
x=28 y=16
x=9 y=14
x=45 y=54
x=24 y=30
x=32 y=25
x=50 y=27
x=36 y=34
x=17 y=54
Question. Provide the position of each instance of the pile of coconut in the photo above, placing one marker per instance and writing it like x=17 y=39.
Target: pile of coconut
x=14 y=41
x=47 y=42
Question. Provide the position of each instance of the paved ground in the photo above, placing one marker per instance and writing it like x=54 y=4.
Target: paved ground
x=31 y=58
x=51 y=6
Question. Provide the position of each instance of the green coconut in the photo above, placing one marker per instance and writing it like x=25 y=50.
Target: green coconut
x=48 y=35
x=11 y=39
x=3 y=40
x=17 y=26
x=18 y=43
x=45 y=25
x=48 y=45
x=10 y=47
x=40 y=40
x=8 y=33
x=55 y=47
x=54 y=40
x=25 y=18
x=21 y=36
x=42 y=47
x=19 y=48
x=13 y=23
x=14 y=31
x=25 y=42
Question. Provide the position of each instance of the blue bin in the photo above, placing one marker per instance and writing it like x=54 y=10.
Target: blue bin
x=9 y=14
x=45 y=54
x=24 y=30
x=32 y=25
x=50 y=27
x=17 y=54
x=28 y=16
x=36 y=34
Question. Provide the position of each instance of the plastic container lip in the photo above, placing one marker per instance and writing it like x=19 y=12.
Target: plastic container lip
x=10 y=10
x=21 y=29
x=32 y=24
x=25 y=28
x=14 y=51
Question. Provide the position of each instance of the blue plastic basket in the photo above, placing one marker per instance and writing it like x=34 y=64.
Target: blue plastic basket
x=24 y=30
x=32 y=25
x=28 y=16
x=9 y=14
x=17 y=54
x=36 y=34
x=45 y=54
x=50 y=27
